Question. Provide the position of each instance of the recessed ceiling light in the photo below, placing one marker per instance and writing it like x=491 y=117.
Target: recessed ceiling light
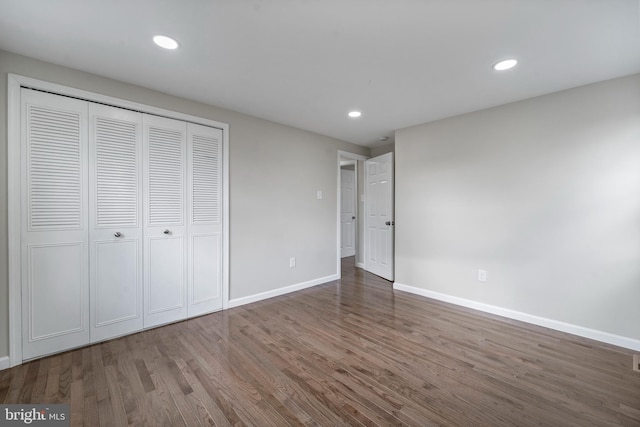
x=354 y=114
x=165 y=42
x=505 y=65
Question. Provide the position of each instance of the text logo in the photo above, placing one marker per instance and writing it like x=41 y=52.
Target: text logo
x=36 y=415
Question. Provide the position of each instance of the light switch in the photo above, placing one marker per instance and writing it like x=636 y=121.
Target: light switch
x=319 y=194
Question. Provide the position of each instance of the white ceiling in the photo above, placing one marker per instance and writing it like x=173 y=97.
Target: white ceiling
x=306 y=63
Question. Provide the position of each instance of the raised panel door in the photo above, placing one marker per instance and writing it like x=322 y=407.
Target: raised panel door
x=347 y=213
x=379 y=216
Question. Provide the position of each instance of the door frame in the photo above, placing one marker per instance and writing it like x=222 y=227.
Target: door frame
x=15 y=83
x=342 y=155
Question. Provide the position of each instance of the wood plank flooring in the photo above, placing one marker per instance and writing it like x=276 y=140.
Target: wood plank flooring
x=351 y=352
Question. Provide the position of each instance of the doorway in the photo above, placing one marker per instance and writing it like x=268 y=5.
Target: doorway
x=350 y=209
x=348 y=222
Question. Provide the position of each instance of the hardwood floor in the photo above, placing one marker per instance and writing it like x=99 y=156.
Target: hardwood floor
x=351 y=352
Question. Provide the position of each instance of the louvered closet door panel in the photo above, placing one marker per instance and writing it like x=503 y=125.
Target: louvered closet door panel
x=55 y=294
x=165 y=290
x=205 y=219
x=115 y=237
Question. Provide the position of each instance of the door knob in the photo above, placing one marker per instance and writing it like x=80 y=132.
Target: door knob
x=117 y=234
x=390 y=223
x=167 y=231
x=353 y=217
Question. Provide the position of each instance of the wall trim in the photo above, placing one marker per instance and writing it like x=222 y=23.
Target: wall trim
x=14 y=222
x=360 y=265
x=4 y=363
x=557 y=325
x=281 y=291
x=15 y=82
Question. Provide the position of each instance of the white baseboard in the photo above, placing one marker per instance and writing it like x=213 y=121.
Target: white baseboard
x=360 y=265
x=4 y=363
x=281 y=291
x=557 y=325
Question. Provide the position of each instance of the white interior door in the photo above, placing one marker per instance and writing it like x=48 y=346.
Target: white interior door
x=55 y=297
x=379 y=223
x=347 y=213
x=115 y=230
x=204 y=153
x=165 y=290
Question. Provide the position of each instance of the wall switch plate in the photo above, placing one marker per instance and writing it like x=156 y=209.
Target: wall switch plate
x=482 y=275
x=292 y=262
x=319 y=194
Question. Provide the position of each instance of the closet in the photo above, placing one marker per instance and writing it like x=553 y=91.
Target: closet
x=121 y=224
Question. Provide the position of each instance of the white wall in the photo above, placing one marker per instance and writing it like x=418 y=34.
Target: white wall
x=544 y=194
x=275 y=171
x=383 y=149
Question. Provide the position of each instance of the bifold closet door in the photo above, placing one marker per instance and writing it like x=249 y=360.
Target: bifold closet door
x=55 y=295
x=205 y=219
x=165 y=290
x=115 y=231
x=121 y=223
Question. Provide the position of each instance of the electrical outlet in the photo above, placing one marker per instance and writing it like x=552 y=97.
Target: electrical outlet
x=636 y=362
x=292 y=262
x=319 y=194
x=482 y=275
